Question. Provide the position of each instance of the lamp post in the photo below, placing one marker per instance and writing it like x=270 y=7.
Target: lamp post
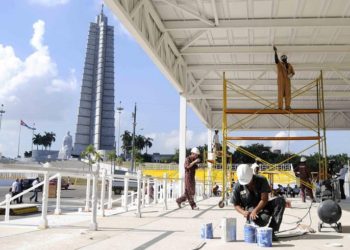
x=119 y=109
x=2 y=111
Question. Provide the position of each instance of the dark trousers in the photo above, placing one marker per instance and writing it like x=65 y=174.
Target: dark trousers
x=17 y=199
x=186 y=196
x=304 y=190
x=274 y=209
x=342 y=193
x=35 y=195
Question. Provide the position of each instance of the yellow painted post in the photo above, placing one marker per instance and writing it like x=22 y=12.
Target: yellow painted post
x=324 y=129
x=224 y=136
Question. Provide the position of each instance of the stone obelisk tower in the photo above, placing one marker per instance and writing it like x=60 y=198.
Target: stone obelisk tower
x=96 y=109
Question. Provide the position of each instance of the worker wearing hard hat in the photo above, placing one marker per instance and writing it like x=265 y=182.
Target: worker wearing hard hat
x=250 y=198
x=285 y=72
x=191 y=165
x=303 y=172
x=255 y=166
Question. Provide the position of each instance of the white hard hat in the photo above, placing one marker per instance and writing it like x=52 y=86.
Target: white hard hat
x=254 y=166
x=303 y=159
x=244 y=174
x=195 y=151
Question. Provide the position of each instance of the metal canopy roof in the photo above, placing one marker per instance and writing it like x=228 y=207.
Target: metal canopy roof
x=194 y=41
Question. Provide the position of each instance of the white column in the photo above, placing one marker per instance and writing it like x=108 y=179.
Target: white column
x=126 y=191
x=103 y=192
x=58 y=196
x=210 y=140
x=143 y=191
x=93 y=223
x=88 y=188
x=165 y=191
x=210 y=165
x=182 y=141
x=43 y=220
x=110 y=187
x=138 y=202
x=7 y=207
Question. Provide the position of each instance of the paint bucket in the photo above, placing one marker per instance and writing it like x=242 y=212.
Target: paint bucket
x=249 y=233
x=207 y=231
x=264 y=236
x=228 y=227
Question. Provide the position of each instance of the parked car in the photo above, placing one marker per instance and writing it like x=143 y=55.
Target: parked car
x=28 y=183
x=64 y=183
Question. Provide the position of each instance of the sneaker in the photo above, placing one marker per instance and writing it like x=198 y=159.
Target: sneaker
x=195 y=208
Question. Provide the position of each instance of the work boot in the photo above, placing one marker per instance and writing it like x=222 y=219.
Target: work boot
x=275 y=238
x=178 y=204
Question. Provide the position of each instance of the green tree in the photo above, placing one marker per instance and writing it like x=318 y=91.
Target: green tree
x=126 y=142
x=37 y=140
x=92 y=155
x=111 y=156
x=148 y=143
x=140 y=142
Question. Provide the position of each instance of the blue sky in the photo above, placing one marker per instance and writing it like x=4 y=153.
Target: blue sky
x=42 y=47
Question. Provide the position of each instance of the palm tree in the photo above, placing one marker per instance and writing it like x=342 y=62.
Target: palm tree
x=127 y=141
x=140 y=142
x=92 y=155
x=111 y=156
x=37 y=140
x=52 y=137
x=148 y=143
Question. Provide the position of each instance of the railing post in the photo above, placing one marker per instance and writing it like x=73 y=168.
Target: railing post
x=132 y=198
x=148 y=191
x=110 y=187
x=45 y=197
x=126 y=191
x=58 y=194
x=165 y=191
x=88 y=188
x=138 y=202
x=7 y=209
x=155 y=193
x=103 y=192
x=143 y=191
x=93 y=223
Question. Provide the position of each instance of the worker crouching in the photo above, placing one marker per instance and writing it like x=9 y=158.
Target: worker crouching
x=250 y=198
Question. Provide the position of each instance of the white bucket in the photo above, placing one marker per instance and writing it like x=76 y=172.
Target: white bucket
x=228 y=227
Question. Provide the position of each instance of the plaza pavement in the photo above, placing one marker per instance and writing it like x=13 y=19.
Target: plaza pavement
x=160 y=229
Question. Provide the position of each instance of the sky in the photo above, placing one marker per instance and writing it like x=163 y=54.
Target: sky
x=42 y=50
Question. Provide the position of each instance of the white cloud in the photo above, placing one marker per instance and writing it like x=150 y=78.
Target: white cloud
x=32 y=89
x=49 y=3
x=168 y=142
x=284 y=146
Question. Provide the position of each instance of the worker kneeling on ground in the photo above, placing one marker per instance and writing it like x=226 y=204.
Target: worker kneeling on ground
x=251 y=199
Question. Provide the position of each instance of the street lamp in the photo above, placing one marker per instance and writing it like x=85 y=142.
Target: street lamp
x=119 y=109
x=2 y=111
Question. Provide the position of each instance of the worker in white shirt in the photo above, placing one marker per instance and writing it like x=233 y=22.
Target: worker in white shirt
x=341 y=178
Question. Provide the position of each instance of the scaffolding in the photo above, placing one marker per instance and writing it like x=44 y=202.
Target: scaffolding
x=318 y=127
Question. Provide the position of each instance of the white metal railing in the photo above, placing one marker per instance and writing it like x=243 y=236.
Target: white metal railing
x=9 y=199
x=164 y=190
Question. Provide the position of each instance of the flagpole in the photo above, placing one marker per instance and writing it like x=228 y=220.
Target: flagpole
x=19 y=139
x=33 y=135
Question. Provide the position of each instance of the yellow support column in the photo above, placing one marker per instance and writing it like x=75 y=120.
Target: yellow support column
x=224 y=137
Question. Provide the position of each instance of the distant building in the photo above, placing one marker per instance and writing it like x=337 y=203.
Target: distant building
x=277 y=151
x=157 y=157
x=96 y=109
